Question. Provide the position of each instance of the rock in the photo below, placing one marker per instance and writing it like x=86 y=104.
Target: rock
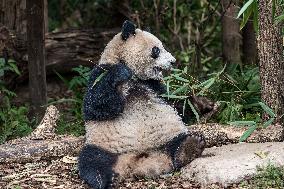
x=232 y=163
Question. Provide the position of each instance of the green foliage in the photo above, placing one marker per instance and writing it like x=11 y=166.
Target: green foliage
x=14 y=122
x=9 y=66
x=82 y=13
x=74 y=124
x=67 y=126
x=267 y=177
x=190 y=29
x=253 y=124
x=250 y=10
x=236 y=90
x=77 y=85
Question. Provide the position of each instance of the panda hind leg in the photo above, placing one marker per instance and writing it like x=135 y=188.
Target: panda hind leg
x=153 y=164
x=185 y=148
x=144 y=164
x=95 y=166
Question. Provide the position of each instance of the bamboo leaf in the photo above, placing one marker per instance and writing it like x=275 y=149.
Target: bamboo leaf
x=65 y=81
x=269 y=122
x=14 y=68
x=247 y=133
x=279 y=18
x=206 y=85
x=173 y=96
x=168 y=87
x=180 y=89
x=244 y=8
x=181 y=79
x=99 y=78
x=194 y=111
x=242 y=123
x=246 y=16
x=268 y=110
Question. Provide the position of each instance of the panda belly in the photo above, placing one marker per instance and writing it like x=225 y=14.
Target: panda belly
x=145 y=124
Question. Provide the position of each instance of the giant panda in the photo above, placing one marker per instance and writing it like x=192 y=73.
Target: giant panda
x=130 y=130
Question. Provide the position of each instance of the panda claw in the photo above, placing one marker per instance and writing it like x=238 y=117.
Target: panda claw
x=189 y=149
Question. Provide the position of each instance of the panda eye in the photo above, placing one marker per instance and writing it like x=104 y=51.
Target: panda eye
x=155 y=52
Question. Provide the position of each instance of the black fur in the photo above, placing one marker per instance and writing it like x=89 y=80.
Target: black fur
x=155 y=52
x=103 y=101
x=172 y=146
x=128 y=28
x=155 y=85
x=95 y=166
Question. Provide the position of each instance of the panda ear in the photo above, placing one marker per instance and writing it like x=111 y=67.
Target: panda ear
x=127 y=29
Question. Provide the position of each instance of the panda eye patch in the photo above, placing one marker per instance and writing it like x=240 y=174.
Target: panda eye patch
x=155 y=52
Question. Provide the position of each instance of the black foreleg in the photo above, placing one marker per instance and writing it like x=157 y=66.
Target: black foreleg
x=103 y=100
x=95 y=166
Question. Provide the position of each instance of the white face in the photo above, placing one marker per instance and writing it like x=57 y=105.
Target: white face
x=147 y=56
x=163 y=62
x=143 y=52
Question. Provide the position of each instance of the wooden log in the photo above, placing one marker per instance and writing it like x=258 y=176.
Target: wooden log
x=217 y=135
x=42 y=143
x=64 y=50
x=33 y=150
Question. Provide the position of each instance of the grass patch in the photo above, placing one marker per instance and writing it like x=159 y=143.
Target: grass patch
x=267 y=177
x=70 y=127
x=14 y=123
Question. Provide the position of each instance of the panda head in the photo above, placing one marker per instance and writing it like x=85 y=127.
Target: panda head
x=140 y=50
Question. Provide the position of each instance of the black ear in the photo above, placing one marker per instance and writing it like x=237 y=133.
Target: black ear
x=127 y=29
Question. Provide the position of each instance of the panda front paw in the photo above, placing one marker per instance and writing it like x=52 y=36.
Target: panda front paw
x=119 y=73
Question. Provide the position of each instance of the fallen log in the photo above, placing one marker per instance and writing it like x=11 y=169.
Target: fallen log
x=42 y=143
x=64 y=50
x=217 y=135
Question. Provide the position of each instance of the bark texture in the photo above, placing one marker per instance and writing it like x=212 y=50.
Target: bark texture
x=36 y=56
x=13 y=15
x=231 y=37
x=270 y=52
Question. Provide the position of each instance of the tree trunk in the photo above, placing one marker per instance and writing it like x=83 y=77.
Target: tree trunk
x=249 y=44
x=231 y=37
x=36 y=56
x=270 y=52
x=46 y=16
x=13 y=16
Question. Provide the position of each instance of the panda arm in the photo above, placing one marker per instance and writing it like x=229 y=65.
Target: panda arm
x=103 y=100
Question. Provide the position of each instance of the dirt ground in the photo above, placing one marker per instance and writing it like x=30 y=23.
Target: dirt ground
x=62 y=173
